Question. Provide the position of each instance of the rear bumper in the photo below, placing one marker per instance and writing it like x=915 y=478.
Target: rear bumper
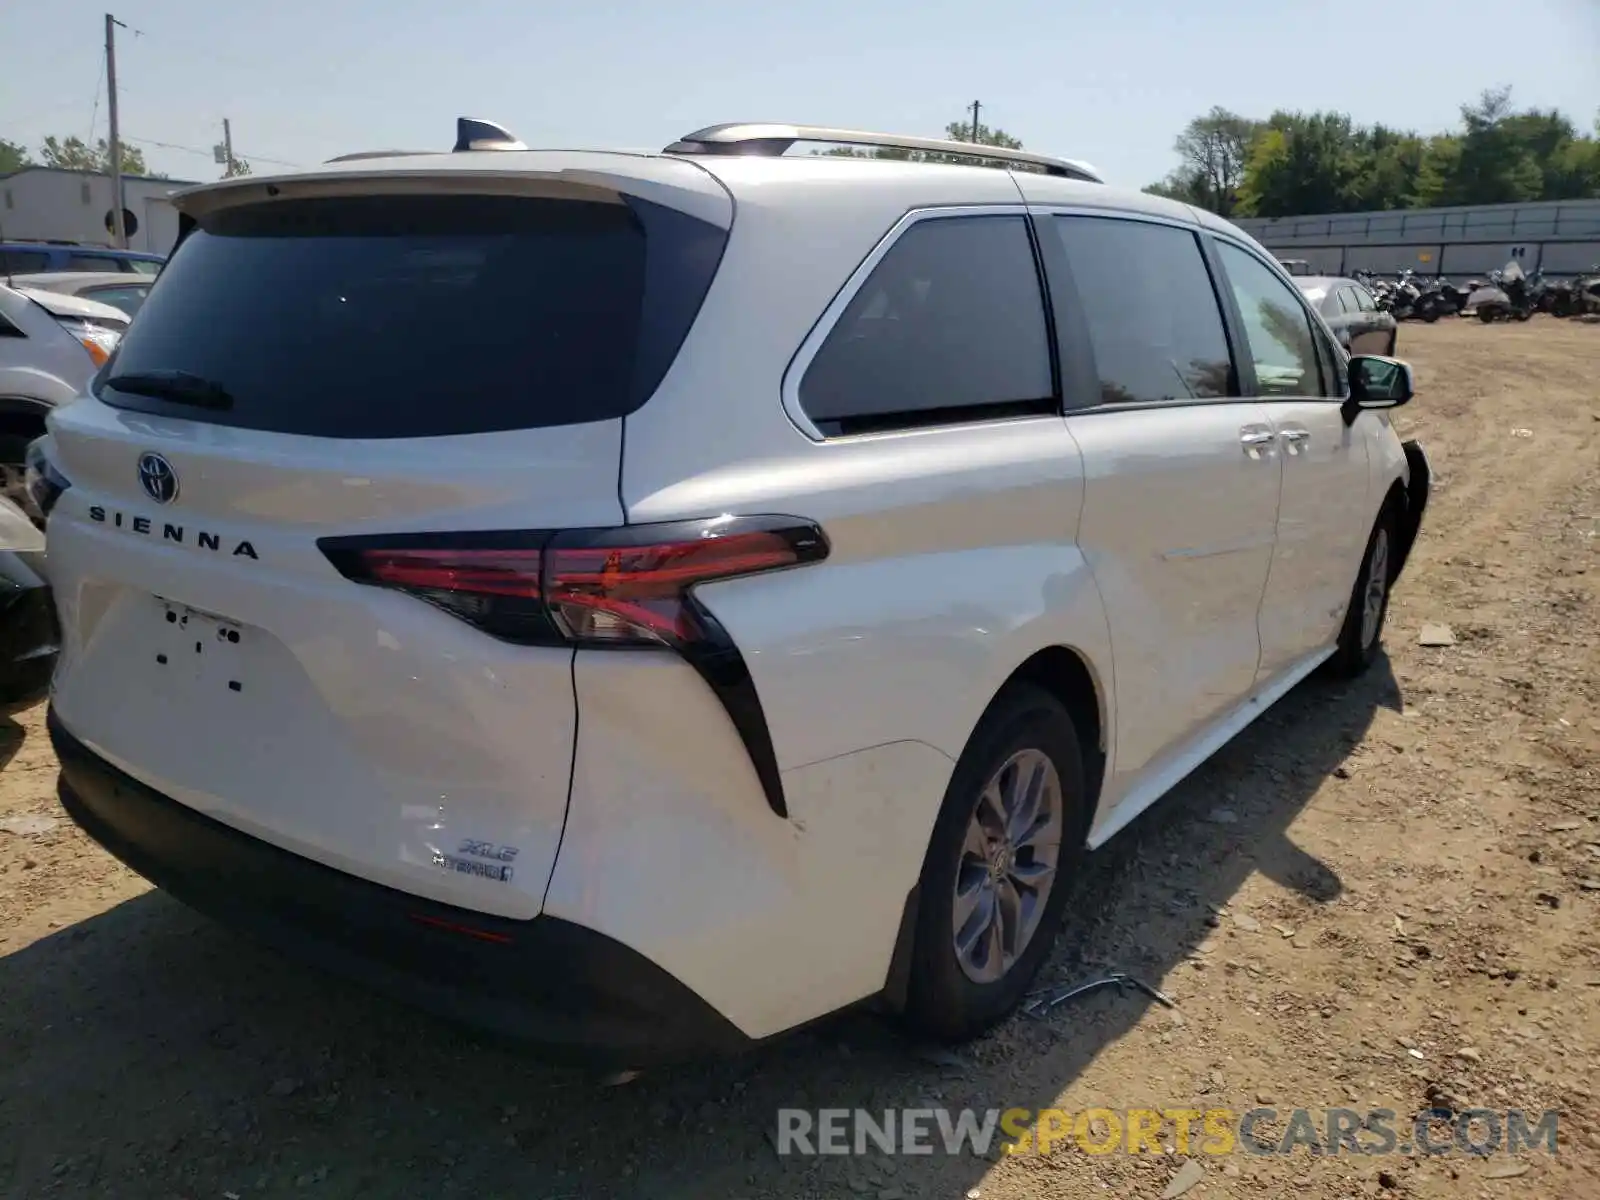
x=573 y=993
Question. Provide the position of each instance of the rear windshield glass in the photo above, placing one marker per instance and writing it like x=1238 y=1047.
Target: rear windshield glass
x=420 y=316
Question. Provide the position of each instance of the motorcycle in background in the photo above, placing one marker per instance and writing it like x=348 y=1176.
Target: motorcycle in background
x=1506 y=297
x=1586 y=292
x=1428 y=306
x=1451 y=299
x=1403 y=296
x=1559 y=299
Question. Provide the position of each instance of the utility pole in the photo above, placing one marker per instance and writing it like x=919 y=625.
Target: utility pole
x=974 y=122
x=116 y=141
x=227 y=147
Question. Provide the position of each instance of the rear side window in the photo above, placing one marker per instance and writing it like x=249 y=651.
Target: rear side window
x=23 y=262
x=422 y=316
x=1347 y=301
x=1276 y=325
x=1154 y=323
x=949 y=327
x=1364 y=300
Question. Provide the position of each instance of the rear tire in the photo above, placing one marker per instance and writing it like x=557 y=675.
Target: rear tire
x=1016 y=799
x=1362 y=632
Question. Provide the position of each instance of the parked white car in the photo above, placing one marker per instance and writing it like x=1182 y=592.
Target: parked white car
x=645 y=603
x=50 y=347
x=119 y=289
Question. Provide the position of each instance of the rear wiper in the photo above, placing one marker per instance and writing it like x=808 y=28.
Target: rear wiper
x=181 y=387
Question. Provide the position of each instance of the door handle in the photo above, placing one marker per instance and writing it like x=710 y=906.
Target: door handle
x=1295 y=436
x=1256 y=440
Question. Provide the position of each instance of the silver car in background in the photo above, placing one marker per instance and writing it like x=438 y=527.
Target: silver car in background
x=1351 y=312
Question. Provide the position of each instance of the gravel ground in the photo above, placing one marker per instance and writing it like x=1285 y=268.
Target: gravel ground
x=1383 y=894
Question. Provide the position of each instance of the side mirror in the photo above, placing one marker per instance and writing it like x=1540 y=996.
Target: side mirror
x=1376 y=382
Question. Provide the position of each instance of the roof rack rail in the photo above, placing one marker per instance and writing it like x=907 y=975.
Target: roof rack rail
x=775 y=140
x=360 y=154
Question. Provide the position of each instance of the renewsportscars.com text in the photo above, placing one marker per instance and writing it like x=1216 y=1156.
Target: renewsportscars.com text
x=1216 y=1131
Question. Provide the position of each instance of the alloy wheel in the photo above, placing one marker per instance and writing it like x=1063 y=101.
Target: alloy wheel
x=1008 y=865
x=1377 y=587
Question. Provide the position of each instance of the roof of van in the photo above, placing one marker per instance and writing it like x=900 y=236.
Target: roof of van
x=703 y=184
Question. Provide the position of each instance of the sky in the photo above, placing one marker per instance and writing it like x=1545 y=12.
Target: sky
x=1111 y=83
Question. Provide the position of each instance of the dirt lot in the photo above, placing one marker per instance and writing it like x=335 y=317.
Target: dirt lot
x=1382 y=895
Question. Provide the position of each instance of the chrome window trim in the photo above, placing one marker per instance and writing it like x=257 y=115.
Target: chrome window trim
x=1110 y=213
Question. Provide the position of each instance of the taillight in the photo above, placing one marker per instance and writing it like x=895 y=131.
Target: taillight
x=628 y=586
x=495 y=587
x=631 y=585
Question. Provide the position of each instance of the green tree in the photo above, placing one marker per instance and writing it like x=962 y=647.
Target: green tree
x=1302 y=163
x=962 y=131
x=1577 y=171
x=1496 y=162
x=1441 y=159
x=76 y=155
x=1388 y=165
x=1564 y=156
x=1324 y=162
x=236 y=167
x=13 y=157
x=1213 y=152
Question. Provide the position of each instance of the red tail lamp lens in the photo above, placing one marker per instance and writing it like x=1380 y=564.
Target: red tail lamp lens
x=634 y=593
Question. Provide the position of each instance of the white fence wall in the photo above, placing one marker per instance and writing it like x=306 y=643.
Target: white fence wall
x=1563 y=237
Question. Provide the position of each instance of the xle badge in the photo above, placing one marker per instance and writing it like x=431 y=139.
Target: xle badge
x=483 y=859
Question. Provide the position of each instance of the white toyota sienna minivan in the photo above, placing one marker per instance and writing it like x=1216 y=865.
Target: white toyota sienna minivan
x=642 y=603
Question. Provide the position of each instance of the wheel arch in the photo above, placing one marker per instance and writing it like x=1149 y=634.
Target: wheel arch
x=23 y=416
x=1409 y=498
x=1071 y=676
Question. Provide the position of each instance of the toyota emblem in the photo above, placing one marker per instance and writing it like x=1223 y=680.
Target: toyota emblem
x=159 y=480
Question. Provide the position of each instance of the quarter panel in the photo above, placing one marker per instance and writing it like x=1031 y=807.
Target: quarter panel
x=772 y=922
x=952 y=560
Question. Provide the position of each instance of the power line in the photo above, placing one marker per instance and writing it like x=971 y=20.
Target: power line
x=211 y=154
x=99 y=82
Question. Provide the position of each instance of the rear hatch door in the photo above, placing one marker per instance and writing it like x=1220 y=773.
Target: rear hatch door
x=415 y=356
